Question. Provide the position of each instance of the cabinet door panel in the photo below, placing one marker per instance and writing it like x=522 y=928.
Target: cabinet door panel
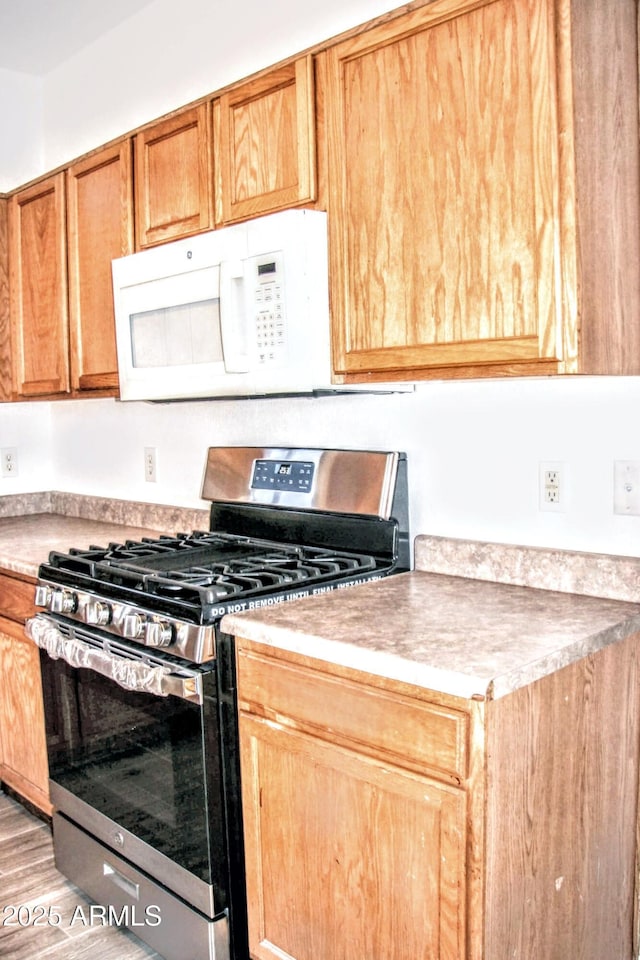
x=6 y=375
x=16 y=598
x=22 y=733
x=38 y=269
x=265 y=143
x=443 y=213
x=347 y=857
x=100 y=228
x=173 y=177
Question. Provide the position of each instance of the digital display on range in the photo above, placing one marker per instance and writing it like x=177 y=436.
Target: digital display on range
x=296 y=476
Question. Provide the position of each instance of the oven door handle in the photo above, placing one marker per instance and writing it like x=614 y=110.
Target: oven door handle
x=131 y=674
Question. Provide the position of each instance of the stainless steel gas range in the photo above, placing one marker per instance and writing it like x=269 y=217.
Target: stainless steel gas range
x=139 y=680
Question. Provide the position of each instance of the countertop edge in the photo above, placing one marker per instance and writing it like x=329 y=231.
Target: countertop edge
x=617 y=621
x=438 y=679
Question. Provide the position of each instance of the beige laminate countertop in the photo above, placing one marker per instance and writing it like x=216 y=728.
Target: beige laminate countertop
x=34 y=524
x=26 y=541
x=450 y=634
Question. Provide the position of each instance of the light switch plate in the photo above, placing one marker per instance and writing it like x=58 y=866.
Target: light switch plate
x=626 y=487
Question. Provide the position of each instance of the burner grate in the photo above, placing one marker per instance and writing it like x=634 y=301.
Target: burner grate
x=201 y=569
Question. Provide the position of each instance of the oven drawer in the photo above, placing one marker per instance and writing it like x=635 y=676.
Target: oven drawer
x=387 y=724
x=150 y=911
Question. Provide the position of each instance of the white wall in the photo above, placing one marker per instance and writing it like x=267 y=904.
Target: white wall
x=474 y=450
x=474 y=447
x=28 y=428
x=21 y=109
x=169 y=54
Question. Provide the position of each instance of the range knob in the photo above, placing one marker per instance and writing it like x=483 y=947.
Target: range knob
x=63 y=601
x=158 y=633
x=97 y=613
x=132 y=626
x=43 y=595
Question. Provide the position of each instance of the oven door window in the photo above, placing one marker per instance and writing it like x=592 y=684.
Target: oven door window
x=151 y=764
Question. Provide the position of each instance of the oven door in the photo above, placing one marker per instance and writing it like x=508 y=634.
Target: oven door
x=134 y=755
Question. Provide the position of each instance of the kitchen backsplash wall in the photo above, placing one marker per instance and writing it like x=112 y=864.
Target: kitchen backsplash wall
x=474 y=451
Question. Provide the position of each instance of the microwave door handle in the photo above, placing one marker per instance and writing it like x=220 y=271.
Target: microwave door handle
x=233 y=318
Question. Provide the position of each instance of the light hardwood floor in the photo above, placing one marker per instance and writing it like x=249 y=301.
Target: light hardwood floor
x=29 y=879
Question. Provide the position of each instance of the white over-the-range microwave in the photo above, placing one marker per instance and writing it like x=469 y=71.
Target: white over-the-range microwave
x=241 y=311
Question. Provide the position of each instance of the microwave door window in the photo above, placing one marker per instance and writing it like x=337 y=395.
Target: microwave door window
x=185 y=334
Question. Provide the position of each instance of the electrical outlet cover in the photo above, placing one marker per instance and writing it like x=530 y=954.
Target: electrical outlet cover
x=552 y=486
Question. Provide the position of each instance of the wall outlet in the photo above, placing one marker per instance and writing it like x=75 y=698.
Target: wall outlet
x=150 y=464
x=551 y=486
x=9 y=460
x=626 y=487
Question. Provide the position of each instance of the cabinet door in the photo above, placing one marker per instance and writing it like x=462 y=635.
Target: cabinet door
x=22 y=733
x=443 y=203
x=6 y=376
x=265 y=143
x=173 y=177
x=347 y=857
x=100 y=228
x=38 y=281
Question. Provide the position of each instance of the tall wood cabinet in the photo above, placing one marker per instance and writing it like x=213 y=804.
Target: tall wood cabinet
x=466 y=140
x=386 y=820
x=99 y=228
x=64 y=231
x=23 y=748
x=38 y=271
x=6 y=376
x=264 y=141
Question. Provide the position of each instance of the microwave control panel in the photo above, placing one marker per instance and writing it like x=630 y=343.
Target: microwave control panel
x=267 y=290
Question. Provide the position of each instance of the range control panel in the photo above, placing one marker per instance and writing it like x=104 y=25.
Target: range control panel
x=295 y=476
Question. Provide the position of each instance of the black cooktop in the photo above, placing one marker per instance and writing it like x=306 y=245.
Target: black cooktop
x=198 y=570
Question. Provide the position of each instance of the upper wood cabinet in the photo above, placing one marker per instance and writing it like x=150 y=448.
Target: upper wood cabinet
x=173 y=178
x=100 y=228
x=6 y=378
x=264 y=143
x=453 y=192
x=64 y=231
x=38 y=288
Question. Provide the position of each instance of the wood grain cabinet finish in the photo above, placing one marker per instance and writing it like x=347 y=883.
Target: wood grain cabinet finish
x=6 y=374
x=264 y=143
x=516 y=837
x=99 y=229
x=173 y=180
x=38 y=288
x=350 y=851
x=455 y=174
x=23 y=748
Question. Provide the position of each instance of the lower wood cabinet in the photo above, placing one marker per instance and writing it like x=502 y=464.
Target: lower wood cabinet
x=388 y=821
x=320 y=813
x=23 y=748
